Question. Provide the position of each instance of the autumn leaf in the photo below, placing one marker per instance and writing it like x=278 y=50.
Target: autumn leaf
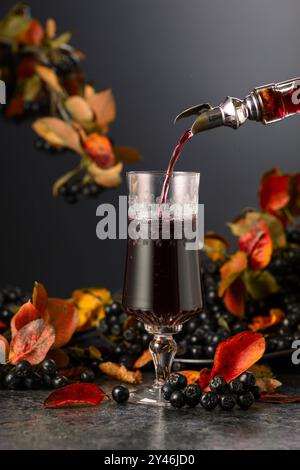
x=50 y=28
x=143 y=360
x=58 y=133
x=50 y=78
x=274 y=194
x=257 y=244
x=33 y=35
x=231 y=270
x=260 y=323
x=127 y=154
x=260 y=284
x=192 y=376
x=90 y=306
x=15 y=107
x=75 y=394
x=234 y=356
x=119 y=372
x=40 y=297
x=100 y=149
x=294 y=188
x=13 y=25
x=26 y=314
x=32 y=342
x=278 y=398
x=104 y=107
x=4 y=349
x=64 y=318
x=215 y=246
x=61 y=40
x=268 y=385
x=110 y=178
x=235 y=298
x=79 y=109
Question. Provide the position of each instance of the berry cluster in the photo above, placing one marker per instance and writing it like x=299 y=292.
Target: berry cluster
x=71 y=191
x=129 y=337
x=11 y=297
x=242 y=391
x=24 y=376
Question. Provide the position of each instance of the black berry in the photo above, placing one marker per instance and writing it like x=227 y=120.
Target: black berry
x=218 y=384
x=87 y=376
x=49 y=367
x=23 y=369
x=177 y=399
x=236 y=386
x=209 y=400
x=256 y=392
x=192 y=395
x=12 y=381
x=120 y=394
x=227 y=402
x=166 y=391
x=245 y=400
x=248 y=380
x=177 y=381
x=59 y=381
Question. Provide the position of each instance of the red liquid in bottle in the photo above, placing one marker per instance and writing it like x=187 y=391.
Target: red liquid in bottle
x=280 y=101
x=175 y=156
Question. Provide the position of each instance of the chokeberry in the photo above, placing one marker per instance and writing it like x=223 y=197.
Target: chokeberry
x=236 y=386
x=209 y=400
x=255 y=390
x=166 y=391
x=47 y=380
x=87 y=376
x=177 y=399
x=120 y=394
x=227 y=401
x=32 y=382
x=129 y=335
x=218 y=384
x=12 y=381
x=247 y=379
x=23 y=369
x=245 y=400
x=59 y=381
x=177 y=381
x=49 y=367
x=192 y=395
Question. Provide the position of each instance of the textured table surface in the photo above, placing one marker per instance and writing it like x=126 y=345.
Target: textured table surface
x=25 y=424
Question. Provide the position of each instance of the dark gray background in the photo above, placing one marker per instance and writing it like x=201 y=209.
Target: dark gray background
x=159 y=57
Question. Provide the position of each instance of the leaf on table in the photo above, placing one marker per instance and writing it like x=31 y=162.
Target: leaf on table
x=40 y=297
x=26 y=314
x=234 y=356
x=274 y=191
x=109 y=178
x=58 y=133
x=215 y=246
x=261 y=322
x=50 y=28
x=143 y=360
x=50 y=78
x=75 y=394
x=192 y=376
x=119 y=372
x=231 y=270
x=268 y=385
x=260 y=284
x=4 y=350
x=104 y=106
x=127 y=154
x=278 y=398
x=32 y=342
x=64 y=318
x=257 y=243
x=79 y=109
x=235 y=298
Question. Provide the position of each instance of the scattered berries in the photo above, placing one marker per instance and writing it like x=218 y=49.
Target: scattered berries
x=87 y=376
x=120 y=394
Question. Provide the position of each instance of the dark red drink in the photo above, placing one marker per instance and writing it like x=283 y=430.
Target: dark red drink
x=162 y=281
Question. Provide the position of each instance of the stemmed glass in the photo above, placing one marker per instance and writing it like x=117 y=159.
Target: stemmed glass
x=162 y=285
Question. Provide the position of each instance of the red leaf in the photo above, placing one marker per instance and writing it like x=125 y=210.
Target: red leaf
x=40 y=297
x=33 y=35
x=234 y=356
x=32 y=342
x=215 y=246
x=274 y=193
x=26 y=314
x=64 y=318
x=235 y=297
x=257 y=243
x=231 y=270
x=75 y=394
x=4 y=349
x=204 y=378
x=15 y=107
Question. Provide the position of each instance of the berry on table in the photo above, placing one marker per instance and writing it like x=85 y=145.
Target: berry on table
x=209 y=400
x=12 y=381
x=87 y=376
x=227 y=401
x=23 y=369
x=166 y=391
x=236 y=386
x=32 y=382
x=218 y=384
x=59 y=381
x=248 y=380
x=177 y=399
x=177 y=381
x=192 y=395
x=49 y=367
x=255 y=390
x=245 y=400
x=120 y=394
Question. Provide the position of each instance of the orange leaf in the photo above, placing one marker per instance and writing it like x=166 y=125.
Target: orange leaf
x=64 y=318
x=119 y=372
x=32 y=342
x=234 y=298
x=274 y=193
x=58 y=133
x=104 y=106
x=144 y=359
x=26 y=314
x=109 y=178
x=79 y=109
x=75 y=394
x=100 y=150
x=258 y=245
x=40 y=297
x=231 y=270
x=50 y=78
x=50 y=28
x=260 y=323
x=33 y=35
x=4 y=349
x=192 y=376
x=215 y=246
x=234 y=356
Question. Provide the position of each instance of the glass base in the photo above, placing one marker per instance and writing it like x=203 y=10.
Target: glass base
x=150 y=396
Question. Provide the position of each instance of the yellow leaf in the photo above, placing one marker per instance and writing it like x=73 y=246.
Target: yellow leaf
x=51 y=28
x=104 y=106
x=79 y=109
x=50 y=78
x=109 y=178
x=58 y=133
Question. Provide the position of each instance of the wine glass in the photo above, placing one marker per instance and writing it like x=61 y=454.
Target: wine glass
x=162 y=285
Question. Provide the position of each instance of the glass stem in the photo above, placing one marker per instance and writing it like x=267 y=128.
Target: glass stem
x=163 y=349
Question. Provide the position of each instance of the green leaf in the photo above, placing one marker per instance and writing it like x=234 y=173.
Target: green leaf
x=260 y=284
x=61 y=40
x=13 y=25
x=31 y=88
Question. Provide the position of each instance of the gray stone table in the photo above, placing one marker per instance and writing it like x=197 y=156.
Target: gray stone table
x=25 y=424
